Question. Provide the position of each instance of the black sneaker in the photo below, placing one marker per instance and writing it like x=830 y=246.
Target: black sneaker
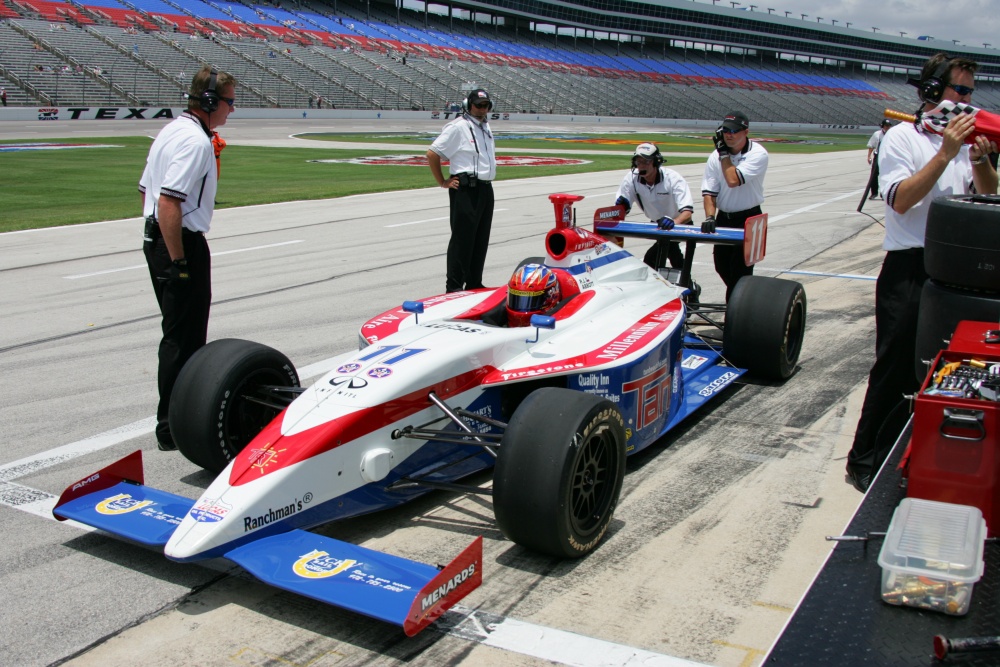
x=165 y=445
x=859 y=479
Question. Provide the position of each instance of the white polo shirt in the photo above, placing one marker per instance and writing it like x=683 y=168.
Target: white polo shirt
x=751 y=165
x=669 y=196
x=903 y=152
x=181 y=164
x=875 y=140
x=468 y=146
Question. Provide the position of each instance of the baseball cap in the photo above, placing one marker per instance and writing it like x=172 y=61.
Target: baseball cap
x=736 y=121
x=885 y=123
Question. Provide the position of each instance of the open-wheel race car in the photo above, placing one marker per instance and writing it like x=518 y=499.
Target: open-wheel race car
x=438 y=390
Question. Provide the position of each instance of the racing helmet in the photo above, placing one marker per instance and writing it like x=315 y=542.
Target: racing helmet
x=532 y=289
x=649 y=151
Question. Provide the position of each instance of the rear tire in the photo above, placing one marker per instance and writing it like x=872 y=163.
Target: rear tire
x=941 y=309
x=962 y=242
x=559 y=472
x=211 y=418
x=765 y=326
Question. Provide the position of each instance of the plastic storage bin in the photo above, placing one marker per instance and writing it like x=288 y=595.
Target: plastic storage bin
x=932 y=555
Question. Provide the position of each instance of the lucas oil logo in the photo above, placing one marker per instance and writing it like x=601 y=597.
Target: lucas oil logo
x=320 y=564
x=123 y=503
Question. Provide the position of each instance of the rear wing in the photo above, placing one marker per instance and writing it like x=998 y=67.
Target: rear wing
x=610 y=223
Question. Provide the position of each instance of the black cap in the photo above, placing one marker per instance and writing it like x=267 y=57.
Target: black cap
x=885 y=123
x=736 y=121
x=478 y=95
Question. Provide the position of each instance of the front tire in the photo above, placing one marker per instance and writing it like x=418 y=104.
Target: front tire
x=212 y=412
x=765 y=325
x=559 y=472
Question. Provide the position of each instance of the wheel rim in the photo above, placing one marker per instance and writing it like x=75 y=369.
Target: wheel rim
x=594 y=477
x=245 y=418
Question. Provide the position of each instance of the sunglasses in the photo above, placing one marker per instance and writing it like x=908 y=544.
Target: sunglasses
x=961 y=90
x=231 y=101
x=485 y=105
x=726 y=130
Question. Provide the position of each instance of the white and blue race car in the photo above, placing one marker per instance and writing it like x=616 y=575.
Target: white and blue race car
x=438 y=390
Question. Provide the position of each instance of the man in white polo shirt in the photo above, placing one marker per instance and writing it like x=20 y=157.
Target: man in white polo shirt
x=178 y=189
x=915 y=167
x=467 y=143
x=732 y=190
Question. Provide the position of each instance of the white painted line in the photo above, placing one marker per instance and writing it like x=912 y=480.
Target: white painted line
x=214 y=254
x=420 y=222
x=558 y=646
x=776 y=218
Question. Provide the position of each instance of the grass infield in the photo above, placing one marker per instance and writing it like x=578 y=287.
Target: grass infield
x=46 y=188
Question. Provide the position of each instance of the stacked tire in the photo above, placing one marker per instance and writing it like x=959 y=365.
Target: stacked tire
x=962 y=259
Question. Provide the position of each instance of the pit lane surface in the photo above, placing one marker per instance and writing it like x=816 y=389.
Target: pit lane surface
x=718 y=533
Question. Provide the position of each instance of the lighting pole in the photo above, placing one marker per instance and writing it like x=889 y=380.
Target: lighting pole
x=786 y=14
x=833 y=21
x=874 y=29
x=848 y=24
x=902 y=33
x=770 y=9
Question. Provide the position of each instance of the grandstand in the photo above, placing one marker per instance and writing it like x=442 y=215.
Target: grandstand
x=671 y=59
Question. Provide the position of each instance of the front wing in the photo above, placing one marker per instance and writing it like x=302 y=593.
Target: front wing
x=389 y=588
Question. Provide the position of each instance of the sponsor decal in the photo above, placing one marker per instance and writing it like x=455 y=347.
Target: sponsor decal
x=652 y=401
x=541 y=370
x=380 y=372
x=48 y=113
x=275 y=514
x=718 y=383
x=434 y=596
x=421 y=161
x=464 y=327
x=351 y=382
x=210 y=510
x=349 y=368
x=261 y=458
x=41 y=146
x=320 y=564
x=84 y=482
x=693 y=361
x=123 y=503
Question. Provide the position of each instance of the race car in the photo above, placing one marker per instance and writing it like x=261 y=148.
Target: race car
x=437 y=390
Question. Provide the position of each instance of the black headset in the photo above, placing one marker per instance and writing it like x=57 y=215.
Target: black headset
x=209 y=99
x=931 y=89
x=467 y=102
x=657 y=157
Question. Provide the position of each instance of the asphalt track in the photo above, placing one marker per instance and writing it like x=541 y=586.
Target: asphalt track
x=720 y=527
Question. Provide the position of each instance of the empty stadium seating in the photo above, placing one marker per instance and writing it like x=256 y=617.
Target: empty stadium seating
x=145 y=51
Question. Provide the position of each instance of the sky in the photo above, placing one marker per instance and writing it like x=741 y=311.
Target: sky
x=972 y=22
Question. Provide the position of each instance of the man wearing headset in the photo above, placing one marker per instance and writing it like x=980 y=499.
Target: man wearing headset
x=178 y=188
x=873 y=143
x=663 y=195
x=467 y=143
x=915 y=167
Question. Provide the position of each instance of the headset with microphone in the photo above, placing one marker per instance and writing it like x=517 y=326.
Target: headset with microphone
x=480 y=95
x=209 y=100
x=931 y=89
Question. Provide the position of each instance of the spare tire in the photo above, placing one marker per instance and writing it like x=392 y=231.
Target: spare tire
x=941 y=309
x=962 y=241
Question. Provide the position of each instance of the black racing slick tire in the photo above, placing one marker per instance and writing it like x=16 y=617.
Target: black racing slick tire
x=220 y=400
x=962 y=242
x=559 y=472
x=765 y=326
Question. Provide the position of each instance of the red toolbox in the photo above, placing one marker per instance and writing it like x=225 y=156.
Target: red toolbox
x=953 y=452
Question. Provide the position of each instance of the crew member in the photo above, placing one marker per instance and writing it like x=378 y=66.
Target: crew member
x=663 y=195
x=873 y=156
x=732 y=190
x=467 y=143
x=917 y=166
x=178 y=187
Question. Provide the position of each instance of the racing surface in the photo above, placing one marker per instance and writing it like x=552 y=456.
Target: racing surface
x=720 y=527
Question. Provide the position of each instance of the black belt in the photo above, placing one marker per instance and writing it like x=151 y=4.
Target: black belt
x=908 y=251
x=740 y=214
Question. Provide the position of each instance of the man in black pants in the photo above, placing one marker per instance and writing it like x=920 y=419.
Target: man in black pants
x=467 y=143
x=178 y=187
x=732 y=190
x=916 y=165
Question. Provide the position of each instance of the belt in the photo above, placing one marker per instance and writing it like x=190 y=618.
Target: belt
x=185 y=230
x=754 y=210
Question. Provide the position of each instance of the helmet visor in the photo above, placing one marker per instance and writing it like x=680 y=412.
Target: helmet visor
x=522 y=301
